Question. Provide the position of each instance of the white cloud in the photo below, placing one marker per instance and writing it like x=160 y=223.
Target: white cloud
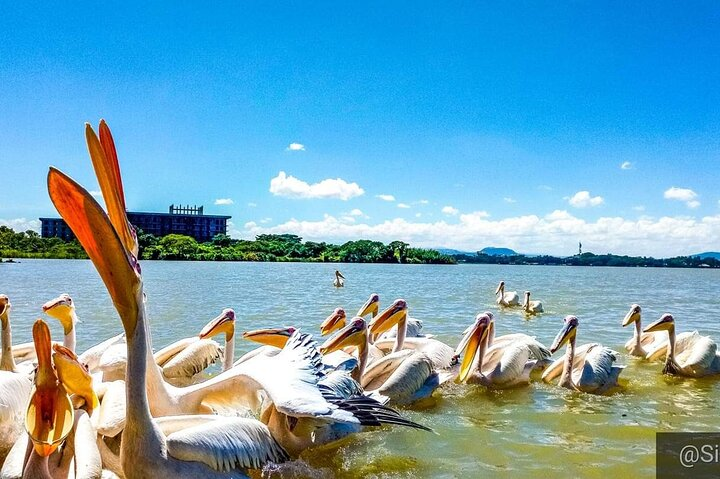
x=686 y=195
x=507 y=199
x=265 y=220
x=386 y=197
x=295 y=147
x=252 y=205
x=423 y=202
x=418 y=215
x=556 y=233
x=224 y=201
x=356 y=212
x=626 y=165
x=95 y=193
x=348 y=219
x=403 y=205
x=544 y=188
x=582 y=199
x=21 y=224
x=291 y=187
x=449 y=210
x=639 y=208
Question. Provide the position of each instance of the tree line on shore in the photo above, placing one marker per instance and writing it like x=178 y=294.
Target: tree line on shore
x=289 y=247
x=283 y=247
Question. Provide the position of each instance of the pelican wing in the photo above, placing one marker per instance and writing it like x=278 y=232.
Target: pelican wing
x=111 y=416
x=92 y=357
x=439 y=353
x=409 y=378
x=225 y=444
x=507 y=364
x=380 y=370
x=597 y=371
x=658 y=349
x=555 y=369
x=24 y=352
x=289 y=380
x=698 y=357
x=192 y=359
x=340 y=384
x=14 y=395
x=261 y=352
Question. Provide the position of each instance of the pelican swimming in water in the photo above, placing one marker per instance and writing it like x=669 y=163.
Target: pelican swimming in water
x=510 y=298
x=532 y=307
x=506 y=364
x=339 y=281
x=637 y=345
x=697 y=357
x=15 y=386
x=589 y=368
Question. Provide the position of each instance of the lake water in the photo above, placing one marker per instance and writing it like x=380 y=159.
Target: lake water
x=525 y=432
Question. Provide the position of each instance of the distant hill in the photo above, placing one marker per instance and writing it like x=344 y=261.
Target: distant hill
x=708 y=254
x=491 y=251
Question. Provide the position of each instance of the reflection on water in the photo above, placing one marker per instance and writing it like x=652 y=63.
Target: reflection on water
x=518 y=433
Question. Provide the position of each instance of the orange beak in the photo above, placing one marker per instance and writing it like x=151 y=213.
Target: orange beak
x=333 y=322
x=50 y=415
x=225 y=323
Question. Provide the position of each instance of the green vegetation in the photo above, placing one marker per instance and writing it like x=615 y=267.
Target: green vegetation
x=284 y=247
x=29 y=244
x=590 y=259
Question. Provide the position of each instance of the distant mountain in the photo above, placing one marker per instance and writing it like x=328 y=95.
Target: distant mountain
x=491 y=251
x=708 y=254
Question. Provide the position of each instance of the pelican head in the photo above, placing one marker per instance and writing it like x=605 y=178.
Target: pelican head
x=665 y=323
x=567 y=333
x=500 y=287
x=50 y=415
x=632 y=316
x=272 y=336
x=4 y=308
x=62 y=309
x=225 y=323
x=354 y=334
x=389 y=317
x=74 y=375
x=470 y=344
x=333 y=322
x=371 y=306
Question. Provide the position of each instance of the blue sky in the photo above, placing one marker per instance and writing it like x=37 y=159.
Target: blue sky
x=488 y=124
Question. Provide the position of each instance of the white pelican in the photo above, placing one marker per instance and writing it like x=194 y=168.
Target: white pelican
x=636 y=345
x=589 y=369
x=532 y=307
x=339 y=281
x=212 y=446
x=221 y=447
x=79 y=457
x=503 y=365
x=225 y=323
x=15 y=387
x=510 y=298
x=699 y=355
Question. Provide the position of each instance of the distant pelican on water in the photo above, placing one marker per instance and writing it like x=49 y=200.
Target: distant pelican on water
x=510 y=298
x=339 y=279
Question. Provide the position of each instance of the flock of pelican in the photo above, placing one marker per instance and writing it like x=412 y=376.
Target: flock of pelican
x=120 y=410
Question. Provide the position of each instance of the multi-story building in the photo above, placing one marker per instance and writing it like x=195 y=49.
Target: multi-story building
x=184 y=220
